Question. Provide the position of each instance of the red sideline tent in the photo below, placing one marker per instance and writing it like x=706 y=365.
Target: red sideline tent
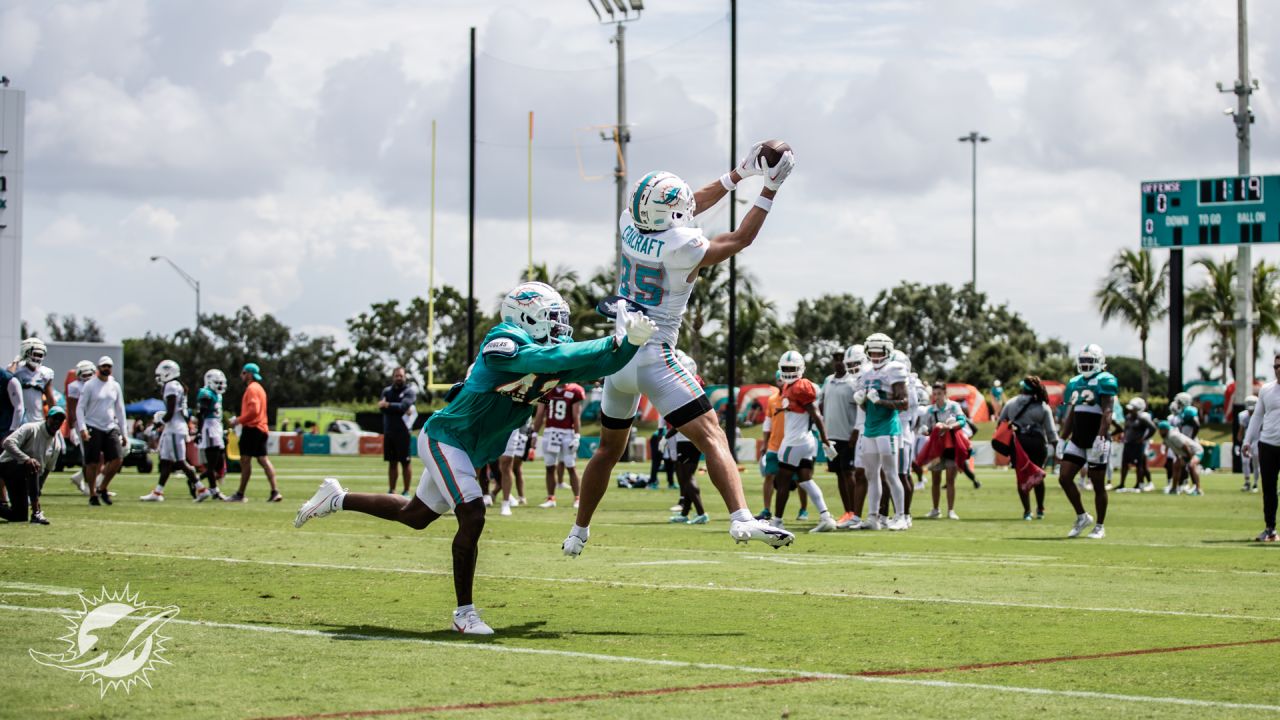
x=1231 y=393
x=1055 y=390
x=969 y=398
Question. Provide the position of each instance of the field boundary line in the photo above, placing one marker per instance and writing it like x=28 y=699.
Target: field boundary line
x=654 y=586
x=1083 y=694
x=872 y=558
x=1065 y=658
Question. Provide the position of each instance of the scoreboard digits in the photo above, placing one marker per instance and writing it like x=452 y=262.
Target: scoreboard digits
x=1211 y=211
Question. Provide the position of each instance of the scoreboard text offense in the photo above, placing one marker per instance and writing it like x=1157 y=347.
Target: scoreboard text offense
x=1211 y=211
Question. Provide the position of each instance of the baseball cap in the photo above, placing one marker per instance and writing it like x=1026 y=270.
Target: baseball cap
x=106 y=360
x=1163 y=425
x=252 y=369
x=55 y=410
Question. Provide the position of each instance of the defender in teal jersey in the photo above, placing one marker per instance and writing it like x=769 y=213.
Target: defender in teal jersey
x=522 y=359
x=1086 y=433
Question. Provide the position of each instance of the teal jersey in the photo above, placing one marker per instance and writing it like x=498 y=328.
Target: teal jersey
x=508 y=378
x=208 y=405
x=882 y=421
x=1084 y=394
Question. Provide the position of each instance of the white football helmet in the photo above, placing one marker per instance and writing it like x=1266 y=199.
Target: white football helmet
x=538 y=310
x=1137 y=404
x=854 y=358
x=790 y=366
x=661 y=201
x=85 y=370
x=167 y=370
x=879 y=349
x=1181 y=400
x=215 y=381
x=32 y=352
x=900 y=357
x=1251 y=402
x=1090 y=360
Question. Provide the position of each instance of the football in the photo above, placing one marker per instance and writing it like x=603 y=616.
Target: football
x=771 y=151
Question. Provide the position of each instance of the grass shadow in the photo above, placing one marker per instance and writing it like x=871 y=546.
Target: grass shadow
x=525 y=631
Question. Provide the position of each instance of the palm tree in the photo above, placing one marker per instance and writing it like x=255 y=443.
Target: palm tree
x=1134 y=292
x=1210 y=307
x=1266 y=304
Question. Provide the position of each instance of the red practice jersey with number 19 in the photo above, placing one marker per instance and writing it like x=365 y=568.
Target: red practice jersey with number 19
x=560 y=402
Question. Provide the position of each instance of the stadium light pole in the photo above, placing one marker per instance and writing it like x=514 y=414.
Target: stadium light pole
x=194 y=283
x=1242 y=117
x=974 y=137
x=626 y=11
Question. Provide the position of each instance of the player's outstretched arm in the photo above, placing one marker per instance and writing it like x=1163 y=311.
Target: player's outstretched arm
x=705 y=198
x=722 y=247
x=507 y=355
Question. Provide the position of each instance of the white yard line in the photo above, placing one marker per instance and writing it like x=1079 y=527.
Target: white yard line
x=708 y=587
x=861 y=558
x=509 y=649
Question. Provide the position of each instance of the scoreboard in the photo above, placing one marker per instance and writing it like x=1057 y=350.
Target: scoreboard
x=1211 y=211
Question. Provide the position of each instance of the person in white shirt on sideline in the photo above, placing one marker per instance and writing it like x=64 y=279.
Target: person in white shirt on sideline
x=27 y=451
x=100 y=421
x=1263 y=437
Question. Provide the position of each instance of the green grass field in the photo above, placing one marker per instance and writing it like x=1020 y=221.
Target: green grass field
x=350 y=615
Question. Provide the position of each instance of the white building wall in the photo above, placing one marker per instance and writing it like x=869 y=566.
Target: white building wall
x=12 y=117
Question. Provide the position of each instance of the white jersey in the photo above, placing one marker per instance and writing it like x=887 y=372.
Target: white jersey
x=178 y=423
x=910 y=417
x=656 y=271
x=33 y=384
x=73 y=390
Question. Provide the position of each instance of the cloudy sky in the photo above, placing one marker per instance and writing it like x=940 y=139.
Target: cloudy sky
x=280 y=151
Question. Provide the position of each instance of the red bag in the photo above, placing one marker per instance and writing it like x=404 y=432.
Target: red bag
x=1002 y=440
x=1029 y=474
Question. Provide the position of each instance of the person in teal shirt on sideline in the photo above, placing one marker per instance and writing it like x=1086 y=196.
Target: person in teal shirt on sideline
x=523 y=358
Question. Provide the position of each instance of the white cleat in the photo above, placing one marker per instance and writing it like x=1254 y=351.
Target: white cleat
x=870 y=522
x=742 y=531
x=320 y=504
x=573 y=545
x=550 y=503
x=920 y=485
x=203 y=495
x=523 y=501
x=506 y=509
x=153 y=496
x=488 y=500
x=1098 y=532
x=934 y=514
x=468 y=622
x=951 y=515
x=825 y=524
x=78 y=481
x=899 y=522
x=1081 y=523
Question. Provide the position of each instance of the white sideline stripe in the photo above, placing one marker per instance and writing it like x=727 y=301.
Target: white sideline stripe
x=303 y=632
x=874 y=558
x=709 y=587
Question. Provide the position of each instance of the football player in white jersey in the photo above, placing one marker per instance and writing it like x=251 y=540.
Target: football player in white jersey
x=84 y=371
x=173 y=438
x=662 y=253
x=36 y=380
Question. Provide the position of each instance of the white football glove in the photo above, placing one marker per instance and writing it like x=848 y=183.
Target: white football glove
x=573 y=444
x=776 y=175
x=1062 y=448
x=873 y=396
x=662 y=446
x=830 y=447
x=639 y=328
x=750 y=163
x=860 y=397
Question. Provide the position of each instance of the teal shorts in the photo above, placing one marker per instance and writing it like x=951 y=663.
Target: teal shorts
x=770 y=465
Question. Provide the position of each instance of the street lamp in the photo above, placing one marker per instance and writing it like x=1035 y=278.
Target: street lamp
x=194 y=283
x=974 y=137
x=627 y=11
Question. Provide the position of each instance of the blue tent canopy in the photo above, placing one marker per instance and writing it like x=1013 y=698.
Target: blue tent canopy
x=144 y=408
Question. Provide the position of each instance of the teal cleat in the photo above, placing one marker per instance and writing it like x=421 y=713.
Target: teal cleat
x=700 y=520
